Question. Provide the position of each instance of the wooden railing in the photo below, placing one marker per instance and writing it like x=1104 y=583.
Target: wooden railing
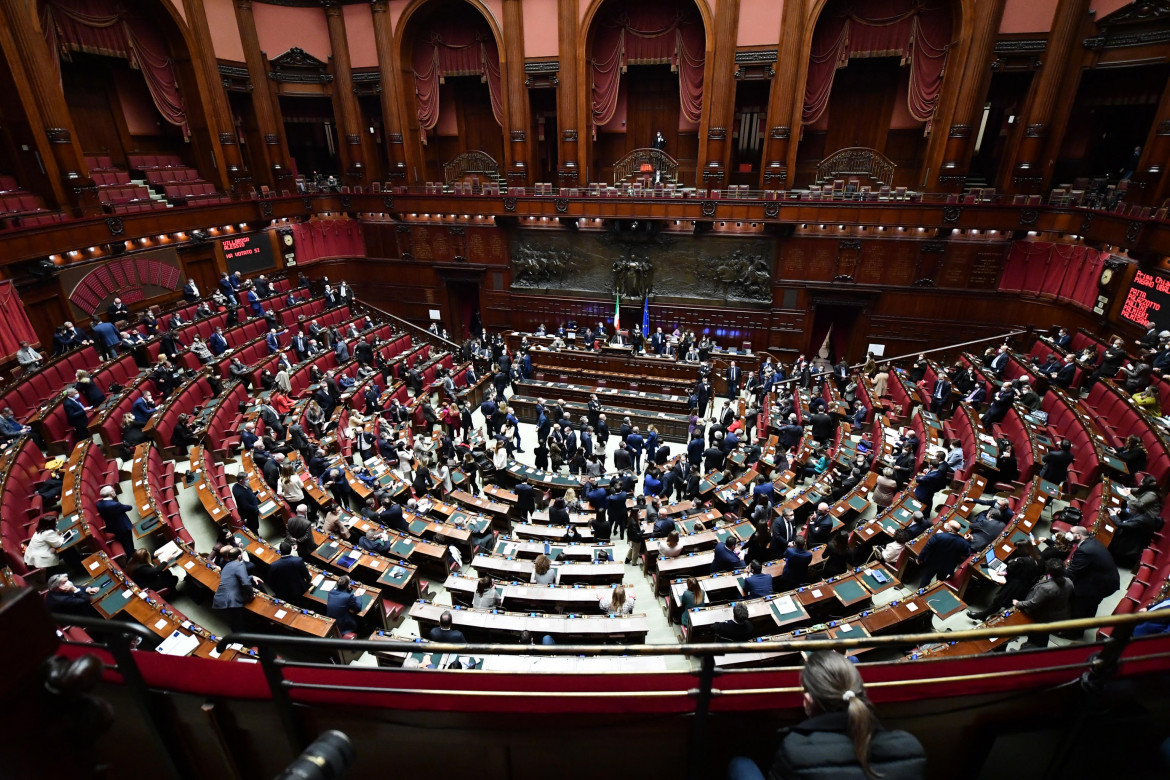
x=658 y=160
x=857 y=161
x=469 y=164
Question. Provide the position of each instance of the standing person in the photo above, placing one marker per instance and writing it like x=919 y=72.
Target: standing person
x=1093 y=573
x=1047 y=601
x=235 y=589
x=842 y=737
x=117 y=522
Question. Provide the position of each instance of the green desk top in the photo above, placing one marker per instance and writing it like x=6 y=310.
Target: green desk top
x=402 y=548
x=786 y=617
x=869 y=581
x=328 y=550
x=850 y=591
x=417 y=527
x=115 y=600
x=889 y=524
x=944 y=603
x=104 y=584
x=858 y=503
x=395 y=576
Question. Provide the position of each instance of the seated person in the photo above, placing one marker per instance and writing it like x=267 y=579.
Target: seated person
x=757 y=584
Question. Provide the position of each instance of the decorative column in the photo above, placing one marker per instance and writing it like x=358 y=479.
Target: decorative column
x=516 y=110
x=960 y=142
x=391 y=84
x=568 y=169
x=1028 y=167
x=719 y=98
x=1150 y=176
x=783 y=109
x=33 y=69
x=345 y=107
x=218 y=112
x=274 y=151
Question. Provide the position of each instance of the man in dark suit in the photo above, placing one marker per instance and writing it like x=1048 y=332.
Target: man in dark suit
x=114 y=515
x=713 y=458
x=943 y=552
x=617 y=513
x=247 y=504
x=940 y=395
x=272 y=421
x=635 y=444
x=733 y=379
x=727 y=557
x=757 y=584
x=703 y=394
x=738 y=629
x=343 y=606
x=930 y=483
x=1093 y=572
x=525 y=499
x=999 y=362
x=300 y=345
x=822 y=427
x=1067 y=374
x=820 y=525
x=783 y=532
x=788 y=435
x=1056 y=463
x=796 y=563
x=288 y=576
x=77 y=414
x=271 y=470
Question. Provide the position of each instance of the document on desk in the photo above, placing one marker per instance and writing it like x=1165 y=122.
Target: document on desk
x=784 y=605
x=178 y=643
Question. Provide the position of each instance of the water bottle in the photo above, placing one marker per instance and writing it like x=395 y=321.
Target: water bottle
x=546 y=547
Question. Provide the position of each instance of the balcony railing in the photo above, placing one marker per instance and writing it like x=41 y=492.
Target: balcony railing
x=294 y=683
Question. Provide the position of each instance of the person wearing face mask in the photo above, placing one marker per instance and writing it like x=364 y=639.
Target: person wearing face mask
x=841 y=737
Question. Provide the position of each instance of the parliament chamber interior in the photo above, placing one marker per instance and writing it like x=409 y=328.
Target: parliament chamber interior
x=762 y=388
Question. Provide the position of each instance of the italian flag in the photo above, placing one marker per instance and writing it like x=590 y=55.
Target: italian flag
x=617 y=312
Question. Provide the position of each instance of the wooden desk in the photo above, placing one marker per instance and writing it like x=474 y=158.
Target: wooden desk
x=497 y=625
x=118 y=596
x=520 y=548
x=509 y=569
x=526 y=597
x=394 y=577
x=274 y=611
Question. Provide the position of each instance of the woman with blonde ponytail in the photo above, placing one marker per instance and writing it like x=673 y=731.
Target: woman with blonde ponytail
x=841 y=738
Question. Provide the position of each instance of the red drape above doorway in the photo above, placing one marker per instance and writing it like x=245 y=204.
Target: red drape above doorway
x=14 y=325
x=650 y=34
x=107 y=27
x=454 y=49
x=918 y=32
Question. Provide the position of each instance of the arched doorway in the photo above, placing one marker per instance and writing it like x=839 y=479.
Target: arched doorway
x=452 y=84
x=129 y=80
x=886 y=103
x=644 y=66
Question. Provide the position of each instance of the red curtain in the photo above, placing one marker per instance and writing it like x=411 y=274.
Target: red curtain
x=15 y=326
x=328 y=238
x=650 y=34
x=918 y=32
x=1064 y=271
x=106 y=27
x=454 y=49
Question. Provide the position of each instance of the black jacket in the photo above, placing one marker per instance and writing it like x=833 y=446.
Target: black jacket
x=1092 y=570
x=288 y=577
x=821 y=747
